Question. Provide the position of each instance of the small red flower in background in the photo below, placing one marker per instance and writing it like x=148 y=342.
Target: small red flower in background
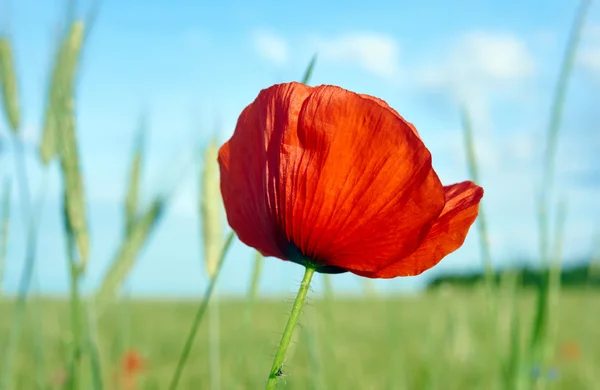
x=132 y=362
x=341 y=181
x=132 y=365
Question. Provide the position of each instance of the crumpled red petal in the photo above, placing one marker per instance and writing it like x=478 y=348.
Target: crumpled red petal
x=384 y=104
x=446 y=235
x=246 y=161
x=359 y=188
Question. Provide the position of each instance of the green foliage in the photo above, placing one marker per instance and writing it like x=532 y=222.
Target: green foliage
x=573 y=277
x=8 y=85
x=402 y=340
x=135 y=178
x=60 y=132
x=309 y=70
x=127 y=253
x=211 y=206
x=187 y=348
x=61 y=90
x=486 y=255
x=548 y=289
x=4 y=225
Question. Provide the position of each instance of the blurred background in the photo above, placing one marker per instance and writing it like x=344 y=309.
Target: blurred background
x=189 y=69
x=181 y=72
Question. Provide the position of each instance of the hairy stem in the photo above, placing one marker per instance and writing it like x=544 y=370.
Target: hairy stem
x=276 y=369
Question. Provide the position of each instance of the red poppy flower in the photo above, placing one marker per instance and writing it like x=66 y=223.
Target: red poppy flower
x=132 y=363
x=327 y=177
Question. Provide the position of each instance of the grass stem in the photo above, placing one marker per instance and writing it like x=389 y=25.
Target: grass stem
x=199 y=315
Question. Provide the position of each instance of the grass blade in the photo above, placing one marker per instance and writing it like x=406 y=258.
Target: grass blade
x=514 y=359
x=486 y=256
x=5 y=213
x=255 y=280
x=556 y=266
x=6 y=371
x=545 y=324
x=63 y=106
x=484 y=240
x=74 y=374
x=514 y=369
x=541 y=318
x=199 y=315
x=315 y=363
x=74 y=189
x=309 y=70
x=127 y=254
x=214 y=348
x=210 y=214
x=250 y=304
x=210 y=209
x=62 y=82
x=37 y=339
x=555 y=122
x=8 y=84
x=594 y=266
x=539 y=335
x=135 y=178
x=92 y=348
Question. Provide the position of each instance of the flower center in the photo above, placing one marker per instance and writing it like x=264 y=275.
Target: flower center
x=295 y=255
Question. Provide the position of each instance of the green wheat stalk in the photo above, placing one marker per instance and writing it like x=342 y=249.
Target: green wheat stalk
x=547 y=288
x=484 y=241
x=199 y=316
x=135 y=178
x=4 y=229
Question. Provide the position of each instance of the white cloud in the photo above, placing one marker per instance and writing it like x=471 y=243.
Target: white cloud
x=481 y=60
x=591 y=60
x=480 y=65
x=31 y=133
x=522 y=146
x=374 y=52
x=496 y=56
x=589 y=56
x=498 y=154
x=593 y=32
x=270 y=46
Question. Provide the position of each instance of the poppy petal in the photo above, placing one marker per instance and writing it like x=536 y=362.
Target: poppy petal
x=384 y=104
x=359 y=187
x=446 y=235
x=244 y=165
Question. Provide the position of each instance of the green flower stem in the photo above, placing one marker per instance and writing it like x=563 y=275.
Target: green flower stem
x=289 y=328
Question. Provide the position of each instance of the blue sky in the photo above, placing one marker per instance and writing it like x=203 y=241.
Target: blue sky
x=194 y=66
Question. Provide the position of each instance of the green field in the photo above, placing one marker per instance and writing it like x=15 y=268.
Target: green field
x=437 y=340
